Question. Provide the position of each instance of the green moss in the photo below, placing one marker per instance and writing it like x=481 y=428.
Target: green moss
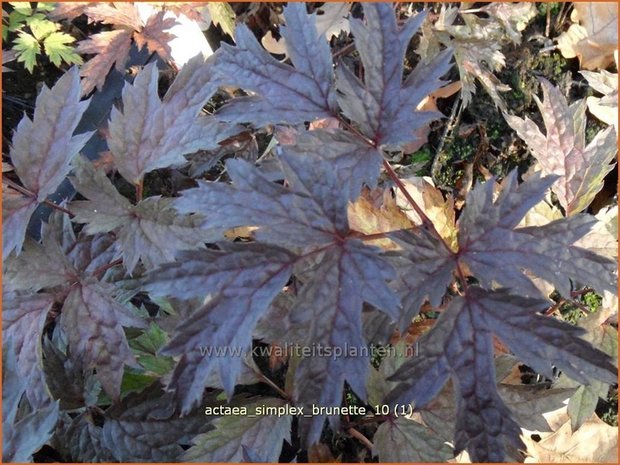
x=593 y=301
x=608 y=411
x=593 y=127
x=571 y=313
x=552 y=65
x=422 y=156
x=544 y=7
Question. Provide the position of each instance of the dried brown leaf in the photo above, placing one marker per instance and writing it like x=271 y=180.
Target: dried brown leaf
x=154 y=35
x=111 y=48
x=376 y=212
x=595 y=39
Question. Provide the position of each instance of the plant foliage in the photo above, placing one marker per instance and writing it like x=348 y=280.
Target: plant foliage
x=130 y=325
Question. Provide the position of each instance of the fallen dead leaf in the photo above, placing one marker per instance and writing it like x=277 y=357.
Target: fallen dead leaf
x=595 y=441
x=429 y=103
x=375 y=212
x=604 y=108
x=595 y=39
x=430 y=199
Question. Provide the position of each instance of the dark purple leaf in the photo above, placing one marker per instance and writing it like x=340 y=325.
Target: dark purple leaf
x=384 y=106
x=285 y=94
x=150 y=231
x=241 y=282
x=93 y=322
x=460 y=344
x=345 y=278
x=42 y=150
x=497 y=252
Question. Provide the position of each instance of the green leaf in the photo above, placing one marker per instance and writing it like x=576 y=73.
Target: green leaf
x=57 y=50
x=145 y=348
x=22 y=8
x=16 y=21
x=46 y=6
x=260 y=433
x=404 y=440
x=223 y=16
x=27 y=49
x=135 y=382
x=41 y=27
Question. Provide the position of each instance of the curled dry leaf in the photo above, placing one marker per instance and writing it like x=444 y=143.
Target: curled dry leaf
x=429 y=103
x=595 y=442
x=331 y=20
x=563 y=151
x=440 y=210
x=604 y=108
x=476 y=42
x=595 y=39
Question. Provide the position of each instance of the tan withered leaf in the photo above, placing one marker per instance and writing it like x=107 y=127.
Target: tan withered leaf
x=477 y=43
x=595 y=442
x=604 y=108
x=513 y=16
x=563 y=151
x=376 y=212
x=439 y=210
x=111 y=48
x=68 y=10
x=595 y=39
x=154 y=35
x=429 y=103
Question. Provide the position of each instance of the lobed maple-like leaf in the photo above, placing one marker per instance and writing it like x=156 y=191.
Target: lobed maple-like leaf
x=353 y=159
x=155 y=36
x=496 y=250
x=93 y=322
x=289 y=217
x=241 y=282
x=285 y=94
x=111 y=48
x=150 y=133
x=42 y=150
x=24 y=430
x=144 y=427
x=331 y=303
x=236 y=437
x=562 y=150
x=151 y=231
x=90 y=317
x=460 y=347
x=343 y=273
x=23 y=319
x=384 y=106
